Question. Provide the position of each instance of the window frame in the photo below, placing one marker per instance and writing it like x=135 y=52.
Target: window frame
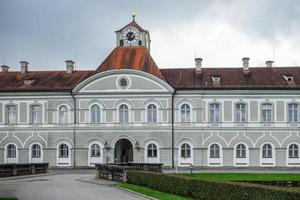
x=95 y=111
x=293 y=156
x=66 y=118
x=152 y=150
x=240 y=113
x=264 y=113
x=185 y=150
x=123 y=113
x=32 y=150
x=215 y=114
x=216 y=151
x=13 y=112
x=293 y=112
x=60 y=150
x=152 y=113
x=266 y=152
x=185 y=113
x=241 y=152
x=36 y=114
x=11 y=153
x=95 y=152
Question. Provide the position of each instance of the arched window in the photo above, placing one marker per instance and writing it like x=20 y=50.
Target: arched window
x=151 y=113
x=214 y=151
x=267 y=112
x=95 y=150
x=293 y=112
x=152 y=150
x=123 y=113
x=240 y=112
x=36 y=151
x=11 y=151
x=267 y=151
x=63 y=114
x=185 y=150
x=215 y=111
x=293 y=151
x=185 y=111
x=63 y=151
x=95 y=114
x=241 y=151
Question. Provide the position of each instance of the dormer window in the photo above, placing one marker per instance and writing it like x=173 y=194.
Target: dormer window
x=288 y=78
x=29 y=81
x=216 y=79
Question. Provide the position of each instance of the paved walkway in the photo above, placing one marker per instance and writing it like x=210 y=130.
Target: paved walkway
x=62 y=187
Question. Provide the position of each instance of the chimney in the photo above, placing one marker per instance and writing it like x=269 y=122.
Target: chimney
x=4 y=68
x=198 y=63
x=269 y=63
x=24 y=67
x=70 y=66
x=246 y=64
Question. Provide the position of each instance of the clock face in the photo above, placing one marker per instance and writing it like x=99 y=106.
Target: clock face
x=130 y=36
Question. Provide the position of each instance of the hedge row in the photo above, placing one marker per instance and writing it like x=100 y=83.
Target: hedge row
x=202 y=189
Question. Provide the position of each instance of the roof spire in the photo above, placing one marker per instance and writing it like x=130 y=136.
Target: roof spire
x=133 y=15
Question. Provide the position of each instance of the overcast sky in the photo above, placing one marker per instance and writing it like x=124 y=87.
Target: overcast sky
x=48 y=32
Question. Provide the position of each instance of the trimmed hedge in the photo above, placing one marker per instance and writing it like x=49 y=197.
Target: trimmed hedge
x=202 y=189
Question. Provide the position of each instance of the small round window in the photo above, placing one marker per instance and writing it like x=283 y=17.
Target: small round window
x=123 y=83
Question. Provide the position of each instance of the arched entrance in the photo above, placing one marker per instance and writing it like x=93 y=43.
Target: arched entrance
x=123 y=151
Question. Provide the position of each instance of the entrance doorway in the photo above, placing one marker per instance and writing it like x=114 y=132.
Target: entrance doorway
x=123 y=151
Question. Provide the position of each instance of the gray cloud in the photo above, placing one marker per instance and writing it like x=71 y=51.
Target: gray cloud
x=46 y=33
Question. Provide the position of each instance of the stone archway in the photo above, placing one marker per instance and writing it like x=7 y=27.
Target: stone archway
x=123 y=151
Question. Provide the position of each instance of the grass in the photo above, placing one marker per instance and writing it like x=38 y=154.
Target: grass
x=150 y=192
x=245 y=176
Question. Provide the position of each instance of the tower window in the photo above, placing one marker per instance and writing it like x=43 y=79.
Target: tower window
x=140 y=43
x=121 y=43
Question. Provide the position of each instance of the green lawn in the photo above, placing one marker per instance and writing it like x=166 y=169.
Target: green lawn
x=245 y=176
x=151 y=193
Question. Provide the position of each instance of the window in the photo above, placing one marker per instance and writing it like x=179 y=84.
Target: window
x=185 y=111
x=267 y=151
x=214 y=112
x=240 y=112
x=63 y=114
x=11 y=151
x=123 y=83
x=151 y=113
x=95 y=150
x=11 y=114
x=185 y=150
x=95 y=114
x=267 y=112
x=152 y=151
x=293 y=151
x=63 y=151
x=35 y=114
x=293 y=112
x=123 y=113
x=36 y=151
x=241 y=151
x=214 y=151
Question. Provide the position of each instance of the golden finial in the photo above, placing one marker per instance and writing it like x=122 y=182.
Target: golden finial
x=133 y=15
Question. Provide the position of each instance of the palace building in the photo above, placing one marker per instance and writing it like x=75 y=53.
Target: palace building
x=130 y=110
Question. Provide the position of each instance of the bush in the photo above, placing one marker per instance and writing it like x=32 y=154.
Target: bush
x=202 y=189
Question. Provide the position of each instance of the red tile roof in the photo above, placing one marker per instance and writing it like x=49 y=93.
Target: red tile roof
x=137 y=58
x=233 y=78
x=41 y=80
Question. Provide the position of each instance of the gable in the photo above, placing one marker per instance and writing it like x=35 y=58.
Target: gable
x=110 y=81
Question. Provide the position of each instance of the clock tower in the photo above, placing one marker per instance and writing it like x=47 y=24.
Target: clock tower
x=133 y=35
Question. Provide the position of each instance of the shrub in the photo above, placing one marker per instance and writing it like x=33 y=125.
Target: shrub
x=203 y=189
